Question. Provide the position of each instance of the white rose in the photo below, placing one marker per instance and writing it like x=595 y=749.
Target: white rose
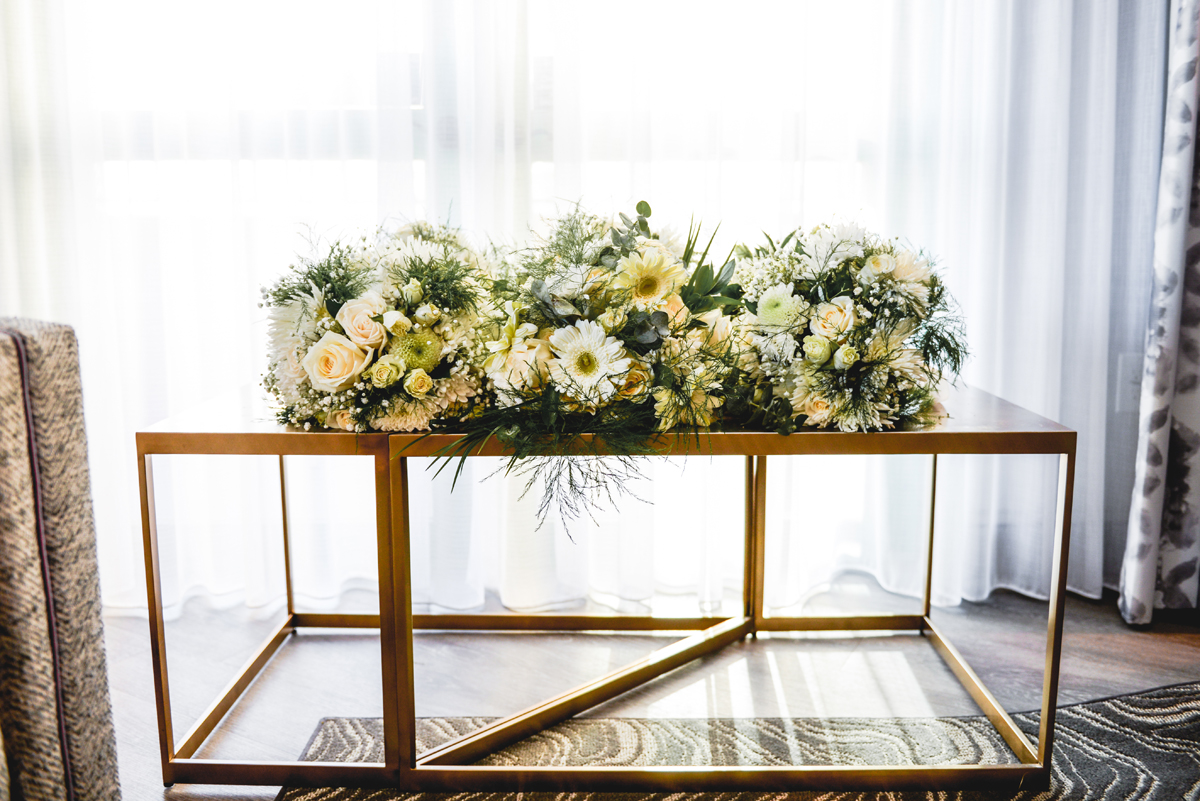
x=877 y=267
x=355 y=318
x=427 y=314
x=846 y=356
x=834 y=319
x=334 y=363
x=396 y=322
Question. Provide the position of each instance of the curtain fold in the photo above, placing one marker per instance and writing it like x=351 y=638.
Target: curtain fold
x=1006 y=138
x=1163 y=547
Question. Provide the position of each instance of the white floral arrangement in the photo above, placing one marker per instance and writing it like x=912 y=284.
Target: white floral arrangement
x=379 y=335
x=605 y=314
x=848 y=331
x=605 y=333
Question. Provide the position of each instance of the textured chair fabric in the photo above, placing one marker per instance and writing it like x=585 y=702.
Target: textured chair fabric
x=3 y=772
x=55 y=717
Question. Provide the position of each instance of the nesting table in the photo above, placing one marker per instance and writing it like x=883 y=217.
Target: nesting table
x=979 y=423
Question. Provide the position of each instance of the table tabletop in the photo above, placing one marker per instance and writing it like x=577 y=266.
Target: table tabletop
x=241 y=421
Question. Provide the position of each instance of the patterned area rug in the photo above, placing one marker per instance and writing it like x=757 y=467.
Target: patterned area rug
x=1141 y=746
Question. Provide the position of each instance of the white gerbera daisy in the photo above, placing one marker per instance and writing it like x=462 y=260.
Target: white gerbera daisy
x=779 y=309
x=648 y=277
x=589 y=362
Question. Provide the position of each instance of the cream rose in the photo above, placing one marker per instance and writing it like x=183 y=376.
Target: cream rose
x=386 y=371
x=342 y=419
x=355 y=318
x=818 y=410
x=845 y=357
x=834 y=319
x=334 y=363
x=817 y=349
x=878 y=266
x=720 y=327
x=612 y=319
x=675 y=309
x=418 y=383
x=427 y=314
x=396 y=322
x=412 y=292
x=637 y=381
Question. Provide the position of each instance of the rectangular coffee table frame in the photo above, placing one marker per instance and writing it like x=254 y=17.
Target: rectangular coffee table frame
x=980 y=424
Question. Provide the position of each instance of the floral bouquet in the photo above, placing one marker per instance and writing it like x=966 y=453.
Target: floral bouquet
x=847 y=331
x=380 y=335
x=606 y=329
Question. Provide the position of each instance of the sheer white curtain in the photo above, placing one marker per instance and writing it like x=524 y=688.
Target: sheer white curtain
x=159 y=163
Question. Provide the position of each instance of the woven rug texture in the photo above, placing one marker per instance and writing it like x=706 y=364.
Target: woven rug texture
x=1140 y=746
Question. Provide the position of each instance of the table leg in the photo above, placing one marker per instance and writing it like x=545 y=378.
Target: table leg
x=395 y=616
x=158 y=638
x=1058 y=597
x=287 y=544
x=929 y=542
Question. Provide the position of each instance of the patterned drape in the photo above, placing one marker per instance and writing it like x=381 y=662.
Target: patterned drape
x=1162 y=551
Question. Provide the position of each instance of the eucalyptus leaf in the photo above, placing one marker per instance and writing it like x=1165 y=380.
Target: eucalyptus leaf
x=646 y=334
x=563 y=307
x=643 y=208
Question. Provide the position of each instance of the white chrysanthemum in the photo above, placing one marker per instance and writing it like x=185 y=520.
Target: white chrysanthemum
x=777 y=347
x=830 y=245
x=413 y=416
x=458 y=388
x=588 y=362
x=291 y=328
x=779 y=309
x=648 y=277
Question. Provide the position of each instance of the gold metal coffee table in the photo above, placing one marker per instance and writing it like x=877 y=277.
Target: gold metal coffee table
x=979 y=424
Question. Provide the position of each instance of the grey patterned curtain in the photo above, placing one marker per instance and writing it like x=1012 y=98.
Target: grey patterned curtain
x=1162 y=551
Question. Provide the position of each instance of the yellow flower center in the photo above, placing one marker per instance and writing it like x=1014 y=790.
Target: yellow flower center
x=586 y=363
x=648 y=286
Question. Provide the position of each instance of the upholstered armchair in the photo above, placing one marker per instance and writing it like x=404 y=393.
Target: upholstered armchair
x=56 y=732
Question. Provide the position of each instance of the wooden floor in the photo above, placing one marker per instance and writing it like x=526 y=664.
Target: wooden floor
x=470 y=674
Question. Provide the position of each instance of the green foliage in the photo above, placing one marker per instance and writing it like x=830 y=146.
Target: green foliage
x=338 y=276
x=707 y=289
x=579 y=460
x=447 y=280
